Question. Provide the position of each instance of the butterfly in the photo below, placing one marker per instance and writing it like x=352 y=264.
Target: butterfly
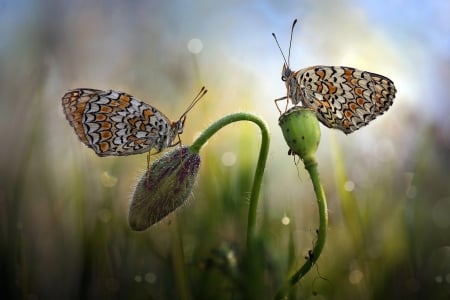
x=343 y=98
x=114 y=123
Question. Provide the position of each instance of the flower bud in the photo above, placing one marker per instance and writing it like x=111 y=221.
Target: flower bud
x=163 y=188
x=301 y=131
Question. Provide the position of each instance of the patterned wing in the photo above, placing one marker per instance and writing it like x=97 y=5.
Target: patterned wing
x=74 y=104
x=344 y=98
x=115 y=123
x=385 y=93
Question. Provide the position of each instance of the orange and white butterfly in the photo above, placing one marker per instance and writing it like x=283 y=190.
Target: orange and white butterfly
x=343 y=98
x=115 y=123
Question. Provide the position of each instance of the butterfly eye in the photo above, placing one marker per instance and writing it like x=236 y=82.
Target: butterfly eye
x=283 y=78
x=180 y=125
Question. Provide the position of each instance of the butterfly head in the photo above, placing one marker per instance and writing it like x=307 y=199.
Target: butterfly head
x=175 y=130
x=178 y=126
x=286 y=72
x=292 y=86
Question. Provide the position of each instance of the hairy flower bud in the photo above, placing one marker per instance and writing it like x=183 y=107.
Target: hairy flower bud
x=163 y=188
x=301 y=131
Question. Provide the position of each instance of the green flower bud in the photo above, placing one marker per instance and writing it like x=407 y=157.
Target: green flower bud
x=163 y=188
x=301 y=131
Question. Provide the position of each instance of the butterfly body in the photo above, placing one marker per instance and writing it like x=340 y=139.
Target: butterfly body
x=116 y=123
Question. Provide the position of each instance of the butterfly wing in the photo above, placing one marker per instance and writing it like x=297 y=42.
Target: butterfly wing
x=74 y=104
x=344 y=98
x=384 y=93
x=115 y=123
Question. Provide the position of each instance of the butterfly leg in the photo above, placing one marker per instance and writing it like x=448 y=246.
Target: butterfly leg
x=177 y=143
x=279 y=99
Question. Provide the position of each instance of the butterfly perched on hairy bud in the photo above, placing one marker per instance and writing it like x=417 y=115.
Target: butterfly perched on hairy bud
x=114 y=123
x=343 y=98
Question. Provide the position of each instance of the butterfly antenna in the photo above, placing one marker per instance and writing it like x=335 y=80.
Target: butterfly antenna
x=278 y=44
x=290 y=41
x=200 y=94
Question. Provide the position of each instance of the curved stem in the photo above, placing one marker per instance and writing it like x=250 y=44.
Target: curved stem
x=259 y=172
x=311 y=166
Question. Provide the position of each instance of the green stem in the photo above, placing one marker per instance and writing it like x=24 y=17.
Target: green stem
x=259 y=172
x=311 y=166
x=179 y=269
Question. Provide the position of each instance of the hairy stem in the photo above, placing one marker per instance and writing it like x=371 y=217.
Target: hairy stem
x=259 y=172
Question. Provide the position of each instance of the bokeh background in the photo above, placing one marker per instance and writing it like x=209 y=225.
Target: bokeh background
x=63 y=210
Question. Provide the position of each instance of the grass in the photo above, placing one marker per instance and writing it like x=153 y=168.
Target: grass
x=64 y=234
